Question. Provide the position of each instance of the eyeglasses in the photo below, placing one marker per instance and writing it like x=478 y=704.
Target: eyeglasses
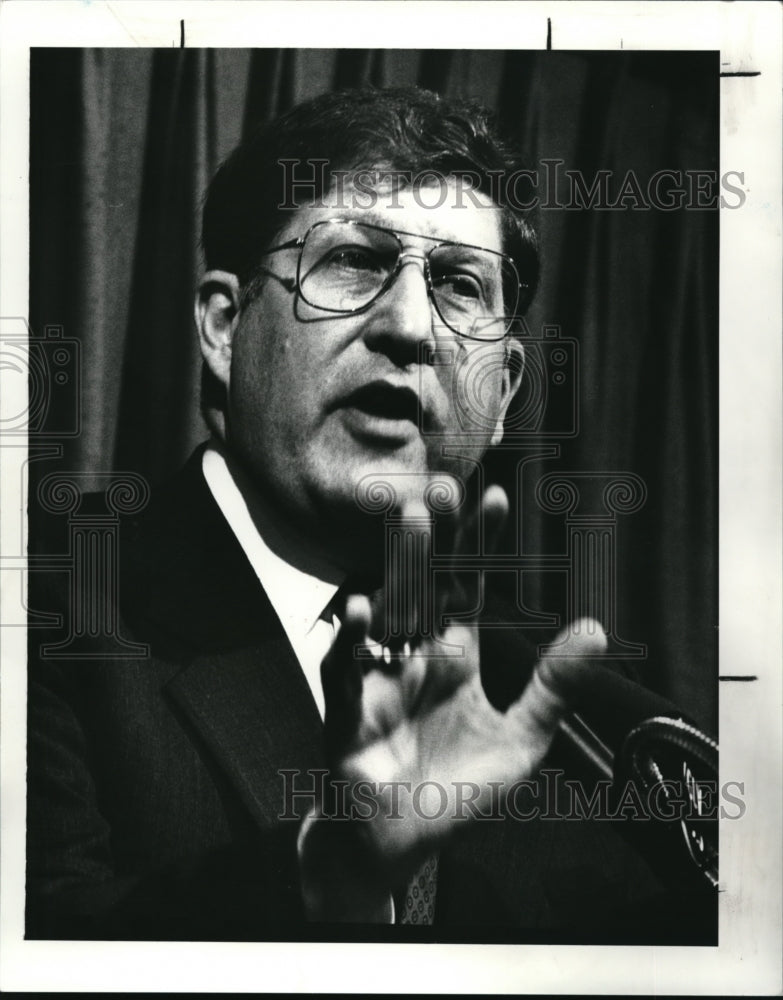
x=345 y=266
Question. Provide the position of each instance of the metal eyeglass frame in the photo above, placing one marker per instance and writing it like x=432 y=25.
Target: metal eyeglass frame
x=295 y=285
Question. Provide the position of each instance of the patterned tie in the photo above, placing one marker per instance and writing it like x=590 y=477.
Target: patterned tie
x=418 y=905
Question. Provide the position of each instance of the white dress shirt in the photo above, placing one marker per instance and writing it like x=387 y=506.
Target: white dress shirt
x=298 y=598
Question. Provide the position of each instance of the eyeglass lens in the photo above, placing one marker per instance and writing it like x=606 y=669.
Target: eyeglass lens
x=343 y=268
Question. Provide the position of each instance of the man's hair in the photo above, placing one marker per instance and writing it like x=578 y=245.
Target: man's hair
x=405 y=130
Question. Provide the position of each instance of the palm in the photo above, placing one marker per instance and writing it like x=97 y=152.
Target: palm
x=417 y=729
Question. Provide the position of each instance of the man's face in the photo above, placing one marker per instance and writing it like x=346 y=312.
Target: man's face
x=318 y=401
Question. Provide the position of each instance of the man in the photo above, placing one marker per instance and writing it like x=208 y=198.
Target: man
x=317 y=702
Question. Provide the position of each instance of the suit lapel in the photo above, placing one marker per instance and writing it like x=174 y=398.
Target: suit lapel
x=188 y=585
x=253 y=708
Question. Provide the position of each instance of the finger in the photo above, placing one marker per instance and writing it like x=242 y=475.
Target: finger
x=557 y=679
x=341 y=678
x=447 y=498
x=495 y=506
x=490 y=519
x=408 y=598
x=479 y=534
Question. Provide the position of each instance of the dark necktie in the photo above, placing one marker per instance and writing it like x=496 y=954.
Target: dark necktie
x=416 y=905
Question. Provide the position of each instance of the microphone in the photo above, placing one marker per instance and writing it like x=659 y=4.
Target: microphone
x=648 y=751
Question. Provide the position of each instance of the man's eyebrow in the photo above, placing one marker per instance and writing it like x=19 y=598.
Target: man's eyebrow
x=374 y=218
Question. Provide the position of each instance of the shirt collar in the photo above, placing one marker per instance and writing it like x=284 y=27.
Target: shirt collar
x=298 y=598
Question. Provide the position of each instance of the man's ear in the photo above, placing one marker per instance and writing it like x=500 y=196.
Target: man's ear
x=513 y=367
x=217 y=313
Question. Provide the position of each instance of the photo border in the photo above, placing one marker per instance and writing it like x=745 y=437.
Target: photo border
x=748 y=957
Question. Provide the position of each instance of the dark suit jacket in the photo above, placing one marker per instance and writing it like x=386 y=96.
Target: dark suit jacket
x=154 y=791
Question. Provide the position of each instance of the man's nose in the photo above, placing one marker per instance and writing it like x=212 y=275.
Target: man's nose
x=403 y=318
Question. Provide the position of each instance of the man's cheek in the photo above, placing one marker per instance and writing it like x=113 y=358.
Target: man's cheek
x=477 y=391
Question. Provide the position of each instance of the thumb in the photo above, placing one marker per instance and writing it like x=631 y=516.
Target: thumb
x=559 y=676
x=565 y=666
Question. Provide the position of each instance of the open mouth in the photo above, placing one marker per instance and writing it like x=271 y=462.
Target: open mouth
x=386 y=402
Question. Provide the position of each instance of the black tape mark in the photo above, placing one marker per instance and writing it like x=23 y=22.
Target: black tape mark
x=753 y=72
x=738 y=677
x=182 y=34
x=549 y=34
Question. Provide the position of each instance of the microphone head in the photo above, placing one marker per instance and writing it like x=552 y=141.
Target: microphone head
x=676 y=762
x=653 y=754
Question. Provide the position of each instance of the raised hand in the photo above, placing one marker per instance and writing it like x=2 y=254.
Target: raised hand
x=411 y=729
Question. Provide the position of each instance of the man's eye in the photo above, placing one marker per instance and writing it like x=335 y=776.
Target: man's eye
x=352 y=258
x=462 y=286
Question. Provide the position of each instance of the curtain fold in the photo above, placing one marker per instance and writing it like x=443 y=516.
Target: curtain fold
x=123 y=143
x=161 y=362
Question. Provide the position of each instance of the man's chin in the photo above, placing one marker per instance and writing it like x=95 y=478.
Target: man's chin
x=387 y=487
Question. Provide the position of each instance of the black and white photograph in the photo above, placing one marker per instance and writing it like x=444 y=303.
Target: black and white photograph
x=360 y=600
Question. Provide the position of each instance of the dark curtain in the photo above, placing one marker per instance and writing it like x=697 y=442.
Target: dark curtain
x=123 y=143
